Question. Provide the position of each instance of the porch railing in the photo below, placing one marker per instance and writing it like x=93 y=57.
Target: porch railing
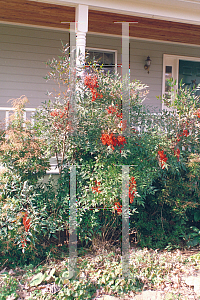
x=8 y=110
x=53 y=161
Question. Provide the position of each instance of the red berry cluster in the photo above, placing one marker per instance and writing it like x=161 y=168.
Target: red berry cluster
x=132 y=189
x=184 y=133
x=109 y=139
x=91 y=83
x=96 y=187
x=162 y=158
x=118 y=208
x=59 y=113
x=111 y=110
x=26 y=222
x=177 y=153
x=23 y=243
x=61 y=118
x=114 y=110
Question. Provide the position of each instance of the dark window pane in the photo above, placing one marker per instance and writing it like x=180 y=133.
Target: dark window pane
x=189 y=73
x=168 y=69
x=89 y=56
x=108 y=59
x=168 y=75
x=98 y=57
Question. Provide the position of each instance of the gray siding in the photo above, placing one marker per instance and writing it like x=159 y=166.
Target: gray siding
x=139 y=50
x=24 y=52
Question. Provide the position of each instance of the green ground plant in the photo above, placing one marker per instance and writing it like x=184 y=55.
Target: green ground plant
x=149 y=269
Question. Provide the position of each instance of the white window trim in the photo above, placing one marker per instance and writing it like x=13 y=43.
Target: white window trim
x=173 y=60
x=104 y=50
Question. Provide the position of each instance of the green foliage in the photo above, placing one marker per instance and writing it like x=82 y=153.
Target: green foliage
x=98 y=113
x=21 y=152
x=77 y=289
x=193 y=237
x=82 y=125
x=8 y=286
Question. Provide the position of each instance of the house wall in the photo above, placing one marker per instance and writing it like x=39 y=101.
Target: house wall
x=25 y=50
x=139 y=50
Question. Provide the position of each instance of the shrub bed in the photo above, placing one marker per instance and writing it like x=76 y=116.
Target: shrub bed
x=83 y=125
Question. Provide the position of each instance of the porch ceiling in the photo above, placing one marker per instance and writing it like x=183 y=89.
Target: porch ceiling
x=103 y=22
x=50 y=15
x=36 y=13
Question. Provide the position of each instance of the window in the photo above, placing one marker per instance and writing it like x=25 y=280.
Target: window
x=180 y=68
x=107 y=58
x=189 y=73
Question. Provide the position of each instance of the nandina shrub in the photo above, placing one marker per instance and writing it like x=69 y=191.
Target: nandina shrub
x=87 y=130
x=30 y=210
x=23 y=163
x=83 y=125
x=30 y=221
x=21 y=151
x=168 y=215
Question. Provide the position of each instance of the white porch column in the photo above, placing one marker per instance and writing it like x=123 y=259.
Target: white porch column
x=81 y=30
